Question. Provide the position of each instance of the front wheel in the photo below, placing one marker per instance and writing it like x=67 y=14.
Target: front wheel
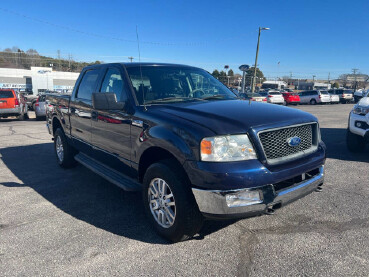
x=64 y=152
x=354 y=142
x=169 y=202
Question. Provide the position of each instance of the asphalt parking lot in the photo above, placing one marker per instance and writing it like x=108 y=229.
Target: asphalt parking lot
x=74 y=223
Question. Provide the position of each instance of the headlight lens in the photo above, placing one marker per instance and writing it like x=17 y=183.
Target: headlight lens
x=227 y=149
x=360 y=110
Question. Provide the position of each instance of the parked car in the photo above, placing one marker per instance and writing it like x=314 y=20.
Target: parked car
x=274 y=97
x=40 y=107
x=30 y=99
x=314 y=97
x=192 y=147
x=12 y=104
x=291 y=98
x=253 y=97
x=335 y=99
x=345 y=95
x=359 y=94
x=358 y=127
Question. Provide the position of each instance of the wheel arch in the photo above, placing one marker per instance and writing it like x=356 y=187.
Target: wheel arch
x=153 y=155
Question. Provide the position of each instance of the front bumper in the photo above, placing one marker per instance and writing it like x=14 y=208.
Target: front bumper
x=356 y=130
x=213 y=203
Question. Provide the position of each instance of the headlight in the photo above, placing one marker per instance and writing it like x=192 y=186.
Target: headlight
x=360 y=110
x=227 y=149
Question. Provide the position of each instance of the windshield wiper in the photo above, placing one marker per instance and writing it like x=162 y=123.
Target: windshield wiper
x=172 y=99
x=214 y=97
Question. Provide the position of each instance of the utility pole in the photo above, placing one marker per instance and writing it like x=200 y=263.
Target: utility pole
x=256 y=59
x=354 y=70
x=130 y=58
x=314 y=81
x=69 y=60
x=329 y=77
x=58 y=59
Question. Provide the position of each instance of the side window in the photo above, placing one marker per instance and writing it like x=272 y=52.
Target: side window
x=113 y=82
x=87 y=85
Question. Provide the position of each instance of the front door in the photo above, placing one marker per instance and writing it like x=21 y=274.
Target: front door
x=112 y=128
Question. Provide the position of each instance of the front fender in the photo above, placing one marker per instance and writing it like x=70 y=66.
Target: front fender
x=176 y=141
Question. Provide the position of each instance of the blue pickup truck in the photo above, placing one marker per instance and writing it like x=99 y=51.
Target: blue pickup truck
x=187 y=142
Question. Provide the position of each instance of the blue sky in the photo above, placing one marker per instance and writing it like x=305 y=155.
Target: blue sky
x=308 y=38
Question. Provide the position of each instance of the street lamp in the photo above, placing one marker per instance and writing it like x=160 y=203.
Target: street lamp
x=256 y=58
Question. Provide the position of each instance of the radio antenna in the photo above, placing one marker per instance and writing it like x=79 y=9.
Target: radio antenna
x=139 y=60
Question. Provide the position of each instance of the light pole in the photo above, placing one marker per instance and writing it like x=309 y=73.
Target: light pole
x=256 y=58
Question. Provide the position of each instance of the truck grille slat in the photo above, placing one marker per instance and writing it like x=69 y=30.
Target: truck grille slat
x=275 y=142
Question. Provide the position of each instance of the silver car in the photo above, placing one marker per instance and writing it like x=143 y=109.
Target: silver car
x=313 y=97
x=40 y=107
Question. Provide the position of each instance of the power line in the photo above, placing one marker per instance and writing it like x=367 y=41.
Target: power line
x=115 y=38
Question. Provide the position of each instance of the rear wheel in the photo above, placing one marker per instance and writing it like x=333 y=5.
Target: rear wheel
x=64 y=152
x=354 y=142
x=312 y=102
x=169 y=202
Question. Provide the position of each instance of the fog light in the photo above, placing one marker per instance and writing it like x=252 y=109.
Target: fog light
x=358 y=124
x=243 y=198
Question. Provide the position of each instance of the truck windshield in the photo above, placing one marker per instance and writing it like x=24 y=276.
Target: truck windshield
x=172 y=84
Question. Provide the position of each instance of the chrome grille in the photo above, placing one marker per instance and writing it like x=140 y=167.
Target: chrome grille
x=275 y=142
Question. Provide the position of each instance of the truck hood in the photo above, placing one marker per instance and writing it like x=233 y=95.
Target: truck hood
x=236 y=116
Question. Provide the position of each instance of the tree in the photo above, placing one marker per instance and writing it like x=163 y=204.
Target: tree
x=215 y=73
x=230 y=73
x=250 y=74
x=336 y=85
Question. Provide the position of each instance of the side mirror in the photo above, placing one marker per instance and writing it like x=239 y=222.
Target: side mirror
x=106 y=101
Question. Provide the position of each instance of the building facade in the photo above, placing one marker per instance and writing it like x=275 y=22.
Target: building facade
x=37 y=80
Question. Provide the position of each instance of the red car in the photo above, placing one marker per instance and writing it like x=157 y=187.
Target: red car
x=291 y=98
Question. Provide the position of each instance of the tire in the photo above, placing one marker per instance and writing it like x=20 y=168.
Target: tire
x=285 y=103
x=354 y=142
x=312 y=102
x=65 y=154
x=187 y=220
x=21 y=117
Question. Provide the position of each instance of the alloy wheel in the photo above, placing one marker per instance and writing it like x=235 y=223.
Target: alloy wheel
x=161 y=202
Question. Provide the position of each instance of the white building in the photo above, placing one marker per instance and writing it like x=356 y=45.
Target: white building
x=37 y=79
x=274 y=84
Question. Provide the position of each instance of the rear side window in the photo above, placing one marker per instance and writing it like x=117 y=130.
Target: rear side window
x=113 y=82
x=88 y=84
x=6 y=94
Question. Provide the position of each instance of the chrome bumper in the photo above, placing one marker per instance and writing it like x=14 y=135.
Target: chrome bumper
x=213 y=202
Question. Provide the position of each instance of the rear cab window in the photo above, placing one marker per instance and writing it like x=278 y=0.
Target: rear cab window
x=88 y=84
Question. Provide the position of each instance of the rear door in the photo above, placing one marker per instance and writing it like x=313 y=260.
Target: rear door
x=81 y=107
x=7 y=99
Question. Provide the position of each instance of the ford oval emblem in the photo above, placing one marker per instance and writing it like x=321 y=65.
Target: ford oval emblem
x=294 y=141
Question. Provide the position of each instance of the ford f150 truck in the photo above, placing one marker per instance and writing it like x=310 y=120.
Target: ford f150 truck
x=194 y=149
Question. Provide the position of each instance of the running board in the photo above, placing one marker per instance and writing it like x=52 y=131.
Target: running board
x=108 y=173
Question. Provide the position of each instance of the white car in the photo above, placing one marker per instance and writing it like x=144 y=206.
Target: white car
x=335 y=99
x=358 y=129
x=275 y=97
x=314 y=97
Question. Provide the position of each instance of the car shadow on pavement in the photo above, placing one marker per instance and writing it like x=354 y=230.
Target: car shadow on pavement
x=84 y=195
x=335 y=140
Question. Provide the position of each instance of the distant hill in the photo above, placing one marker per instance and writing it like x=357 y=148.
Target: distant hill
x=17 y=58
